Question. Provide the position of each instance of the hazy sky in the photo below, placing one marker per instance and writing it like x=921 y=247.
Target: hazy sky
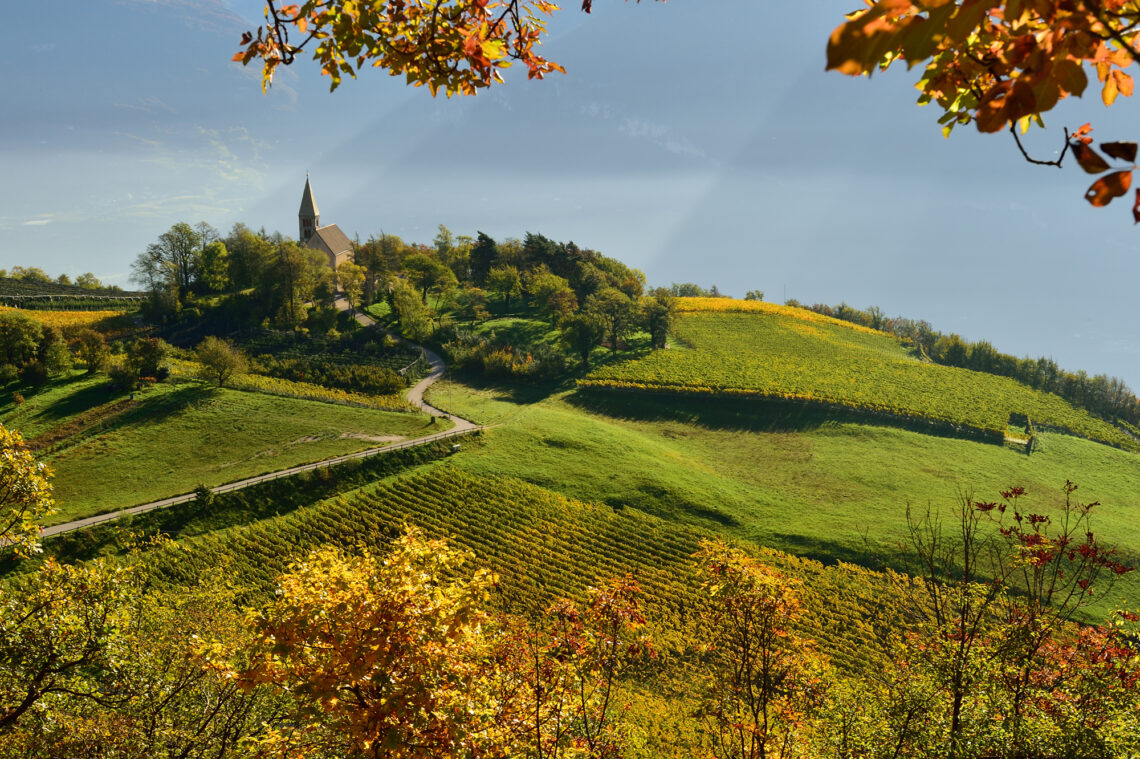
x=699 y=141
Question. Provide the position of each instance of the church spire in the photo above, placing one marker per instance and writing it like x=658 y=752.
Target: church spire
x=309 y=217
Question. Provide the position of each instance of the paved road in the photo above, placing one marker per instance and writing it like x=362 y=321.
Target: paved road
x=415 y=397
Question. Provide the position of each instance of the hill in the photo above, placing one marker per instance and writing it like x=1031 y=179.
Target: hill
x=789 y=477
x=790 y=354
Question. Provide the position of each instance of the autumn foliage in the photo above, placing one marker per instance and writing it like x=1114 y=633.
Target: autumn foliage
x=458 y=46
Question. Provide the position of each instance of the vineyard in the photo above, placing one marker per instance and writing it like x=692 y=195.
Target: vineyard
x=67 y=320
x=542 y=545
x=755 y=349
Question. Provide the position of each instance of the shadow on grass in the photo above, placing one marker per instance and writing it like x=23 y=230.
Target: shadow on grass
x=80 y=401
x=750 y=415
x=755 y=414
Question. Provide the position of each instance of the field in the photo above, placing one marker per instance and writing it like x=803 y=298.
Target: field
x=109 y=450
x=790 y=478
x=778 y=355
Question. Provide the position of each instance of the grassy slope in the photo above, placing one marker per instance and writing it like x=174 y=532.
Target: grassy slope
x=795 y=482
x=173 y=438
x=781 y=355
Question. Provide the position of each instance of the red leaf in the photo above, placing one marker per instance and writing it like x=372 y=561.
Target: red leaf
x=1108 y=187
x=1089 y=159
x=1136 y=208
x=1125 y=151
x=586 y=4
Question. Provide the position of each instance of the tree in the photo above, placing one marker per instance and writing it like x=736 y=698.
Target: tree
x=378 y=656
x=146 y=357
x=25 y=493
x=169 y=263
x=213 y=267
x=754 y=295
x=505 y=281
x=428 y=274
x=658 y=313
x=553 y=295
x=413 y=315
x=559 y=672
x=482 y=258
x=351 y=279
x=91 y=347
x=249 y=255
x=52 y=353
x=762 y=677
x=20 y=338
x=220 y=360
x=615 y=311
x=88 y=281
x=1003 y=63
x=581 y=332
x=996 y=607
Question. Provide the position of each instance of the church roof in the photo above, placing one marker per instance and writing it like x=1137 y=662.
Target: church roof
x=332 y=237
x=308 y=202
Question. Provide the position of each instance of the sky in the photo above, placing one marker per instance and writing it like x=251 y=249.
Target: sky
x=698 y=141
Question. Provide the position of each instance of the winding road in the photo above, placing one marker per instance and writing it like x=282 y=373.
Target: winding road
x=415 y=397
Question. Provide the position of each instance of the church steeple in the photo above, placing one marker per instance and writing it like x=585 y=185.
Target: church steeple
x=309 y=217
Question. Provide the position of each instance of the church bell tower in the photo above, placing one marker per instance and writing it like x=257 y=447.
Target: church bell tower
x=308 y=217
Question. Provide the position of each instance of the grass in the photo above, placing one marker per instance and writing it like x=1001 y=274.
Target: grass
x=171 y=438
x=793 y=480
x=780 y=356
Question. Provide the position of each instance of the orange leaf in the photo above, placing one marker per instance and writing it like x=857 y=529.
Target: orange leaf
x=1089 y=159
x=1124 y=151
x=1103 y=190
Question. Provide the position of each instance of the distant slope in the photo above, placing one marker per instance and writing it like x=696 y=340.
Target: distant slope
x=777 y=352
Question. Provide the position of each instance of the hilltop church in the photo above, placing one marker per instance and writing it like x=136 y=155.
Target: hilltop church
x=328 y=239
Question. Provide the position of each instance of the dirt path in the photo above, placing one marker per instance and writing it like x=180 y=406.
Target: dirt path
x=415 y=397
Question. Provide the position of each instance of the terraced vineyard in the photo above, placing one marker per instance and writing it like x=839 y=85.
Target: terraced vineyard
x=543 y=546
x=54 y=296
x=782 y=353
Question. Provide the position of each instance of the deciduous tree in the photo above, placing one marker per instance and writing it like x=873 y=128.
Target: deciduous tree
x=763 y=679
x=220 y=360
x=381 y=657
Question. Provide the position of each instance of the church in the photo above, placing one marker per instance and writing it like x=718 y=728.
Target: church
x=328 y=239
